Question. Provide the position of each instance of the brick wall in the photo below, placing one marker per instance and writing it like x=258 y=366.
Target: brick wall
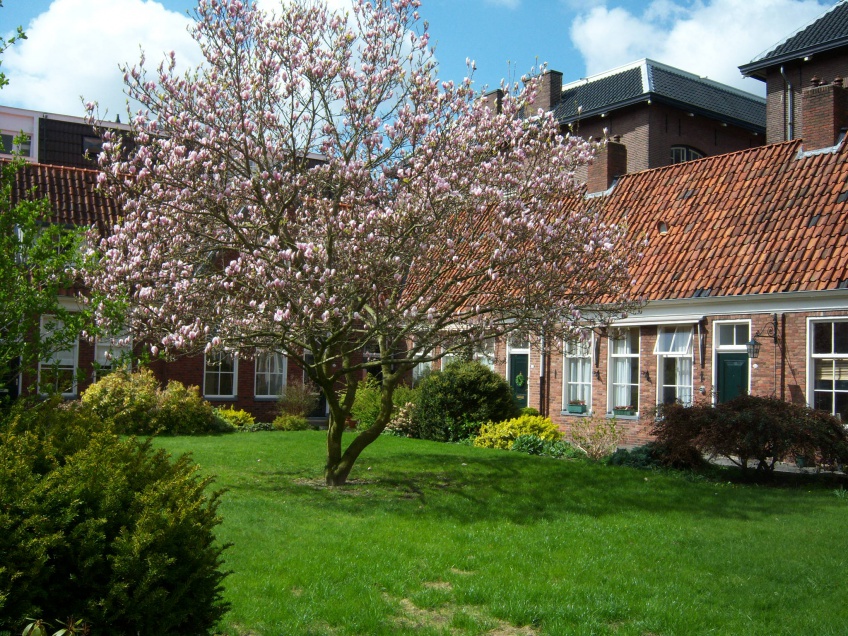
x=825 y=66
x=780 y=370
x=649 y=132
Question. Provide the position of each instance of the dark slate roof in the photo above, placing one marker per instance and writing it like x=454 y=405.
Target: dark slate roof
x=649 y=80
x=827 y=32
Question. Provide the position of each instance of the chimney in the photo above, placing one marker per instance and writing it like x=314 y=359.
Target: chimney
x=824 y=114
x=549 y=92
x=494 y=100
x=609 y=162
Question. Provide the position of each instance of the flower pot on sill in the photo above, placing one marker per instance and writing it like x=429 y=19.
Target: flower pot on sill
x=627 y=412
x=577 y=408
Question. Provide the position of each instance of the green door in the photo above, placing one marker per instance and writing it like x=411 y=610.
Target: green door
x=518 y=375
x=732 y=377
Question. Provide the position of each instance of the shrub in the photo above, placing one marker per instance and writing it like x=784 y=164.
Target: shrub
x=528 y=410
x=182 y=411
x=598 y=437
x=530 y=444
x=103 y=528
x=402 y=423
x=235 y=417
x=747 y=429
x=503 y=434
x=453 y=401
x=299 y=399
x=649 y=455
x=126 y=400
x=134 y=405
x=366 y=404
x=257 y=428
x=287 y=422
x=676 y=427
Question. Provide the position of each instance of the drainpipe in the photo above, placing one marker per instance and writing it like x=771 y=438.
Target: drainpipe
x=790 y=122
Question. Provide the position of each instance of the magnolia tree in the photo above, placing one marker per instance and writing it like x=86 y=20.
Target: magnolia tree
x=313 y=189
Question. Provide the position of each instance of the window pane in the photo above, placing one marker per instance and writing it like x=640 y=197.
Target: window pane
x=840 y=337
x=822 y=337
x=226 y=384
x=725 y=335
x=742 y=334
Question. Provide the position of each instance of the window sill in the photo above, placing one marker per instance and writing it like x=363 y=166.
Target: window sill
x=220 y=398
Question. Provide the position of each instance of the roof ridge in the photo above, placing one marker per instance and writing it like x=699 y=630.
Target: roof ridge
x=722 y=156
x=765 y=54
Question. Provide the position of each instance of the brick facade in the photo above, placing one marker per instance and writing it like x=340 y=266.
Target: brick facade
x=780 y=370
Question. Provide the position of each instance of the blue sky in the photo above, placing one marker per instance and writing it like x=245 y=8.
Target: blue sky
x=75 y=46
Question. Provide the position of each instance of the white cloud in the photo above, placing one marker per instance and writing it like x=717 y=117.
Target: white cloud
x=710 y=38
x=69 y=53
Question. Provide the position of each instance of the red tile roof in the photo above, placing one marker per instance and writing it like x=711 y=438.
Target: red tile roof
x=72 y=192
x=758 y=221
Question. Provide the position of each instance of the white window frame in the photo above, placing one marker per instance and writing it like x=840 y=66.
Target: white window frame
x=582 y=351
x=56 y=359
x=282 y=372
x=107 y=350
x=208 y=369
x=814 y=358
x=633 y=382
x=678 y=349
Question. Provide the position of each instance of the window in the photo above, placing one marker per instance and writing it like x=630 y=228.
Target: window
x=733 y=335
x=9 y=146
x=674 y=364
x=91 y=147
x=110 y=352
x=57 y=372
x=219 y=376
x=578 y=373
x=270 y=374
x=624 y=376
x=680 y=154
x=830 y=366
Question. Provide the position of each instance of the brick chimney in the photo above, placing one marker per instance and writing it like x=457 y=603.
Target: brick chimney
x=824 y=113
x=609 y=162
x=549 y=92
x=494 y=100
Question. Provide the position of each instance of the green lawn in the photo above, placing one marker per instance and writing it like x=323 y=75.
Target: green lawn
x=443 y=539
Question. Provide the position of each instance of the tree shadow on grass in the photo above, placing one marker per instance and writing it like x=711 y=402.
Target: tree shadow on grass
x=504 y=486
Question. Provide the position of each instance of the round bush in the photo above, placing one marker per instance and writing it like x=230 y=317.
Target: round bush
x=504 y=434
x=288 y=422
x=452 y=403
x=128 y=401
x=236 y=418
x=182 y=411
x=104 y=529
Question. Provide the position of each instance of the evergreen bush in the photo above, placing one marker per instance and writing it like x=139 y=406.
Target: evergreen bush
x=452 y=403
x=103 y=528
x=287 y=422
x=236 y=418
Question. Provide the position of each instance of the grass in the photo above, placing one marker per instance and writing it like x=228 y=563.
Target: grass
x=444 y=539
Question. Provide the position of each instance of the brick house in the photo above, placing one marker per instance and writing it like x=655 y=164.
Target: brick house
x=816 y=53
x=746 y=246
x=663 y=115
